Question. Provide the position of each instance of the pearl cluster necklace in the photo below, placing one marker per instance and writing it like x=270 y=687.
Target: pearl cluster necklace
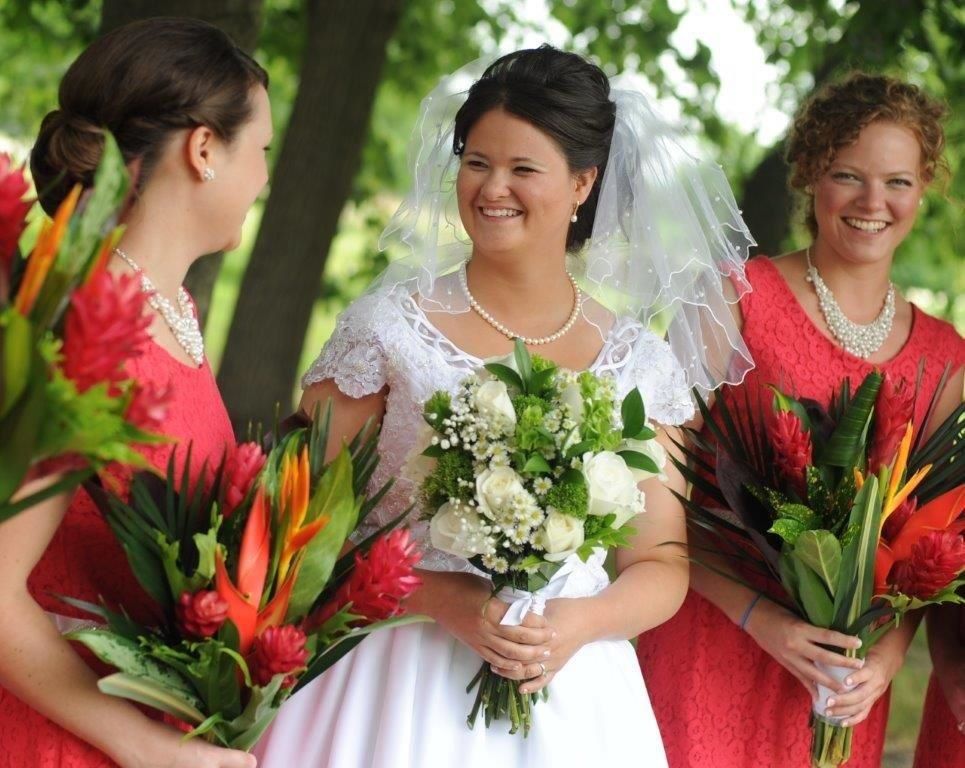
x=181 y=320
x=570 y=321
x=860 y=340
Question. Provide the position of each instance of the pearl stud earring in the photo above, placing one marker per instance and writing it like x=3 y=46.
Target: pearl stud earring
x=207 y=174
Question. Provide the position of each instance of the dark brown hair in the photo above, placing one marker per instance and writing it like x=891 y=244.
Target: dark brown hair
x=142 y=82
x=835 y=116
x=564 y=96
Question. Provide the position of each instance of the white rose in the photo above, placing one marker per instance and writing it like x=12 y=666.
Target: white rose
x=560 y=535
x=611 y=486
x=496 y=488
x=457 y=531
x=492 y=402
x=570 y=395
x=653 y=450
x=418 y=467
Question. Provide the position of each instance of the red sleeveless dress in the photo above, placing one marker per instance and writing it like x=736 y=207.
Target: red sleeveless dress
x=720 y=700
x=85 y=561
x=940 y=743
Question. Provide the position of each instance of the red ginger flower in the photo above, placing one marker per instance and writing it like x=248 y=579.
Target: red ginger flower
x=792 y=449
x=201 y=615
x=893 y=410
x=13 y=210
x=278 y=650
x=897 y=519
x=936 y=560
x=106 y=326
x=379 y=582
x=149 y=405
x=241 y=468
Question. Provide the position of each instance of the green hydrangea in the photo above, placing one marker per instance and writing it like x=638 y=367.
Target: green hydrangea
x=595 y=524
x=569 y=498
x=437 y=408
x=443 y=484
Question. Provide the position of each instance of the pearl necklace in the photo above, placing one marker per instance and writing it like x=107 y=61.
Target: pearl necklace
x=182 y=321
x=860 y=340
x=570 y=321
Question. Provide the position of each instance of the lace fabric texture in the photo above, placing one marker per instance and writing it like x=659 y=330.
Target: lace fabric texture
x=387 y=340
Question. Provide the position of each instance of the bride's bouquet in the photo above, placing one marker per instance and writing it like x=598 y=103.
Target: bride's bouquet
x=253 y=593
x=67 y=326
x=848 y=511
x=525 y=467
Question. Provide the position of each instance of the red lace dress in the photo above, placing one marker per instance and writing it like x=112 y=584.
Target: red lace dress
x=719 y=699
x=85 y=561
x=940 y=743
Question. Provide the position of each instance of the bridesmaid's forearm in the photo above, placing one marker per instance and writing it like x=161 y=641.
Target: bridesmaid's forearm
x=644 y=596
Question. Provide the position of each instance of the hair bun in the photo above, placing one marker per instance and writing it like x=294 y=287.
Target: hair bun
x=67 y=152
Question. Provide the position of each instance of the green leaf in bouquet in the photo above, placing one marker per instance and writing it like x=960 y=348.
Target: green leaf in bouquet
x=129 y=657
x=846 y=446
x=800 y=512
x=325 y=658
x=523 y=363
x=784 y=403
x=945 y=451
x=16 y=353
x=950 y=594
x=578 y=449
x=19 y=431
x=788 y=529
x=535 y=464
x=634 y=414
x=506 y=375
x=637 y=460
x=821 y=552
x=152 y=694
x=542 y=380
x=97 y=213
x=216 y=677
x=858 y=556
x=334 y=499
x=819 y=495
x=137 y=537
x=244 y=731
x=66 y=483
x=335 y=626
x=118 y=623
x=812 y=594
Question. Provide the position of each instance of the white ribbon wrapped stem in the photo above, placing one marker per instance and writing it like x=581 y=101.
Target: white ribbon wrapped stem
x=574 y=579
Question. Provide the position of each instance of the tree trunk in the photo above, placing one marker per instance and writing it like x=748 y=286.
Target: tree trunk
x=876 y=33
x=241 y=19
x=340 y=71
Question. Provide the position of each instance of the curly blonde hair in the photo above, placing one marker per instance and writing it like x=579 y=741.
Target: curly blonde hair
x=835 y=116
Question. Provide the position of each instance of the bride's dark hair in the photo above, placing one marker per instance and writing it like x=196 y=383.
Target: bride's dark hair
x=563 y=95
x=142 y=82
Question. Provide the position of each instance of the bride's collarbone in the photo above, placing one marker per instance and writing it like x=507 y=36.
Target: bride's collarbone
x=575 y=350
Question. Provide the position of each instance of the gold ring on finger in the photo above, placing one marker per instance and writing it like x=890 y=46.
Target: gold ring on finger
x=542 y=669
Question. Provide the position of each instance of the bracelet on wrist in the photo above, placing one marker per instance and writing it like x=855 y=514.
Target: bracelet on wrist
x=747 y=611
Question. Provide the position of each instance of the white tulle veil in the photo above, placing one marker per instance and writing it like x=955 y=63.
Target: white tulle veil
x=668 y=244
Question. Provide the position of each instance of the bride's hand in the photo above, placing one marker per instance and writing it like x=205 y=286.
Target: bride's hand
x=463 y=605
x=564 y=618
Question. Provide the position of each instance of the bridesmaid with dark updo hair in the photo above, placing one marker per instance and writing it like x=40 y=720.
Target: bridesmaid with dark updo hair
x=190 y=113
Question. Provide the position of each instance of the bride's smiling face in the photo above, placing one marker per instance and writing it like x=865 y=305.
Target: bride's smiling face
x=516 y=192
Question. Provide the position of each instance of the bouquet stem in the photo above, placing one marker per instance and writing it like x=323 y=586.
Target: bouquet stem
x=500 y=699
x=830 y=743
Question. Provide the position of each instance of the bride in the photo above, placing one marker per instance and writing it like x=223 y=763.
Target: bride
x=543 y=159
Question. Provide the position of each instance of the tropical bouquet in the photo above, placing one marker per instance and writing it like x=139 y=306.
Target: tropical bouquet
x=849 y=510
x=67 y=326
x=254 y=594
x=524 y=468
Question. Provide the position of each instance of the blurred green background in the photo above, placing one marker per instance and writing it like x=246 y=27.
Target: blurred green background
x=346 y=80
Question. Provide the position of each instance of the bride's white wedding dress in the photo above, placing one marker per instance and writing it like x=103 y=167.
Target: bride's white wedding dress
x=399 y=700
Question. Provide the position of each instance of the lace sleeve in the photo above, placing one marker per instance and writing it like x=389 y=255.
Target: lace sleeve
x=660 y=379
x=354 y=355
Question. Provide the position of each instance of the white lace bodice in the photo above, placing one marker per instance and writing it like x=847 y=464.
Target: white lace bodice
x=387 y=340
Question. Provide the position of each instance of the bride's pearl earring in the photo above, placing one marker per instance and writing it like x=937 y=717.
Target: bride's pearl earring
x=207 y=174
x=573 y=217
